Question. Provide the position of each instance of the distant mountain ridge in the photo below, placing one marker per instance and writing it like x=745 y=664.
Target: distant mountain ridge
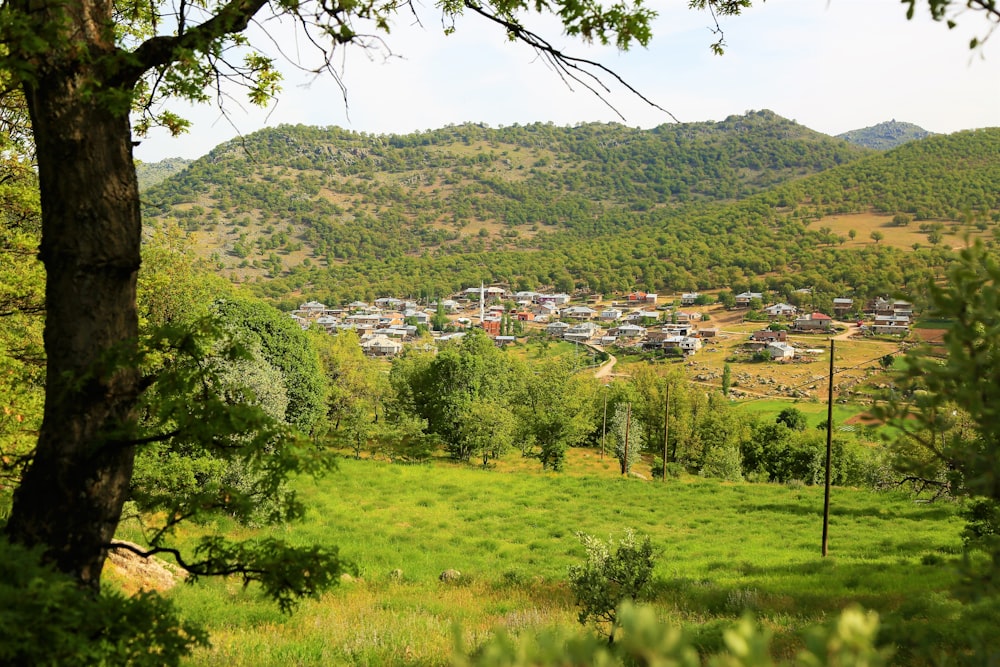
x=882 y=137
x=151 y=173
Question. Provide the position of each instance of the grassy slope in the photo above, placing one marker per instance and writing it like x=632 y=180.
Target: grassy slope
x=724 y=549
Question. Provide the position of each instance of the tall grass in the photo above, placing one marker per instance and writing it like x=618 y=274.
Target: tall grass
x=724 y=549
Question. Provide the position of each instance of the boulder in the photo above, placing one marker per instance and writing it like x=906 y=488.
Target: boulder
x=449 y=576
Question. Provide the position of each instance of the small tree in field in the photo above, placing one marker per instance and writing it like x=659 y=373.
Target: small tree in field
x=612 y=573
x=628 y=437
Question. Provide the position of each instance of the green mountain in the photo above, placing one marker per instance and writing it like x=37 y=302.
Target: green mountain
x=151 y=173
x=752 y=201
x=885 y=135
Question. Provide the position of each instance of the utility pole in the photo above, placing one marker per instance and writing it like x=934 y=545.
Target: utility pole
x=829 y=450
x=628 y=427
x=666 y=426
x=604 y=429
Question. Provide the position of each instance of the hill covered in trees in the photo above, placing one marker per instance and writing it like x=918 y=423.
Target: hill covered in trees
x=337 y=215
x=884 y=136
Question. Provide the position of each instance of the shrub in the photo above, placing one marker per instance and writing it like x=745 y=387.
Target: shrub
x=49 y=620
x=612 y=573
x=848 y=642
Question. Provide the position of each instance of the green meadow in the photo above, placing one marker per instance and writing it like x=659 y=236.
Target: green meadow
x=724 y=550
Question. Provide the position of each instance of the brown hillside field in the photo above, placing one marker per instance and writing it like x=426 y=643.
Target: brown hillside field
x=857 y=361
x=900 y=237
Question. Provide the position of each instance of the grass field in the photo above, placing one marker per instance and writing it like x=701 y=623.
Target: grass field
x=724 y=549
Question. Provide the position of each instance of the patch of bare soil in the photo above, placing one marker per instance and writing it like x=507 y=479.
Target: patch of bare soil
x=930 y=335
x=865 y=419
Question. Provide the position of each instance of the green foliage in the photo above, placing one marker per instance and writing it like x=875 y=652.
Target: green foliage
x=48 y=619
x=793 y=419
x=464 y=394
x=22 y=359
x=644 y=639
x=628 y=437
x=724 y=462
x=884 y=136
x=286 y=347
x=953 y=402
x=213 y=429
x=613 y=572
x=555 y=411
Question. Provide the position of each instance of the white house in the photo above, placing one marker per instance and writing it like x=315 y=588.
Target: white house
x=579 y=312
x=583 y=331
x=556 y=329
x=780 y=351
x=687 y=344
x=382 y=346
x=781 y=310
x=312 y=308
x=641 y=315
x=628 y=331
x=744 y=298
x=893 y=325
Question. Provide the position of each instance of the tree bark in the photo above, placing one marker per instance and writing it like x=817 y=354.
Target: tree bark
x=70 y=498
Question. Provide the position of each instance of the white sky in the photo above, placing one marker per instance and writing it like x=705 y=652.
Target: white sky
x=831 y=65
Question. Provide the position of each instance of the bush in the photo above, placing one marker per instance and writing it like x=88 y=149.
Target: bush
x=674 y=470
x=48 y=619
x=611 y=574
x=645 y=640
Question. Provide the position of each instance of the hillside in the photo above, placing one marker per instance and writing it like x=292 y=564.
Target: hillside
x=333 y=196
x=755 y=199
x=883 y=136
x=151 y=173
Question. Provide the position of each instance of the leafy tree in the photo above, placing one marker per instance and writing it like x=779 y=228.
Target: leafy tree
x=946 y=411
x=351 y=377
x=555 y=410
x=448 y=389
x=440 y=321
x=487 y=429
x=613 y=572
x=792 y=418
x=876 y=236
x=284 y=345
x=628 y=435
x=727 y=379
x=22 y=306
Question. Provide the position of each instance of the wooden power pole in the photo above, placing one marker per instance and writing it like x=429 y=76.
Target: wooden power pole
x=666 y=426
x=829 y=450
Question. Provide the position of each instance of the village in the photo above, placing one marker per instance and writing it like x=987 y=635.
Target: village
x=680 y=324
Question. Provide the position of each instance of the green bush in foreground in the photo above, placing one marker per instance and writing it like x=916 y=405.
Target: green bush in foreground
x=48 y=619
x=643 y=640
x=612 y=573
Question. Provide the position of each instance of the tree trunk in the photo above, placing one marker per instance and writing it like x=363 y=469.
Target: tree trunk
x=70 y=499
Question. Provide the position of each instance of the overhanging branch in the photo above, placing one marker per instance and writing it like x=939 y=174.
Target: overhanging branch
x=568 y=67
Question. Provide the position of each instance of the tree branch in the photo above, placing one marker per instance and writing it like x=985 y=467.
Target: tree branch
x=568 y=67
x=233 y=17
x=197 y=569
